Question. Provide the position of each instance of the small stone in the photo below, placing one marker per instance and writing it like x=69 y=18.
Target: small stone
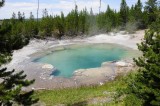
x=101 y=83
x=47 y=66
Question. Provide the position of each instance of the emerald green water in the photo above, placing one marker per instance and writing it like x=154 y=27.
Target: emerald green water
x=70 y=58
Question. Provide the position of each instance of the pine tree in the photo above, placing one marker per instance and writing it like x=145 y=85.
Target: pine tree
x=70 y=24
x=109 y=19
x=124 y=12
x=13 y=16
x=2 y=3
x=46 y=24
x=76 y=19
x=13 y=19
x=138 y=14
x=59 y=26
x=10 y=89
x=82 y=21
x=92 y=21
x=150 y=9
x=138 y=8
x=62 y=32
x=146 y=84
x=31 y=17
x=23 y=16
x=20 y=17
x=45 y=13
x=132 y=12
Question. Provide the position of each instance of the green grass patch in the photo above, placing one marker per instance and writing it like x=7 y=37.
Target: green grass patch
x=69 y=96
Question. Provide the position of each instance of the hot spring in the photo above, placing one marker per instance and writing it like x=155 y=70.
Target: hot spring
x=69 y=58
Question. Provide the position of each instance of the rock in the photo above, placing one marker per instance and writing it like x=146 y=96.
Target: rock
x=100 y=100
x=40 y=103
x=101 y=83
x=105 y=64
x=47 y=66
x=78 y=72
x=121 y=64
x=51 y=77
x=130 y=65
x=109 y=93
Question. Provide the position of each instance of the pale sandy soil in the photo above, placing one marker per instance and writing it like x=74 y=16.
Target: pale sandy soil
x=22 y=60
x=129 y=40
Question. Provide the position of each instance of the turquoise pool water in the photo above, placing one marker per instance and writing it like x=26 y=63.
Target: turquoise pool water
x=67 y=59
